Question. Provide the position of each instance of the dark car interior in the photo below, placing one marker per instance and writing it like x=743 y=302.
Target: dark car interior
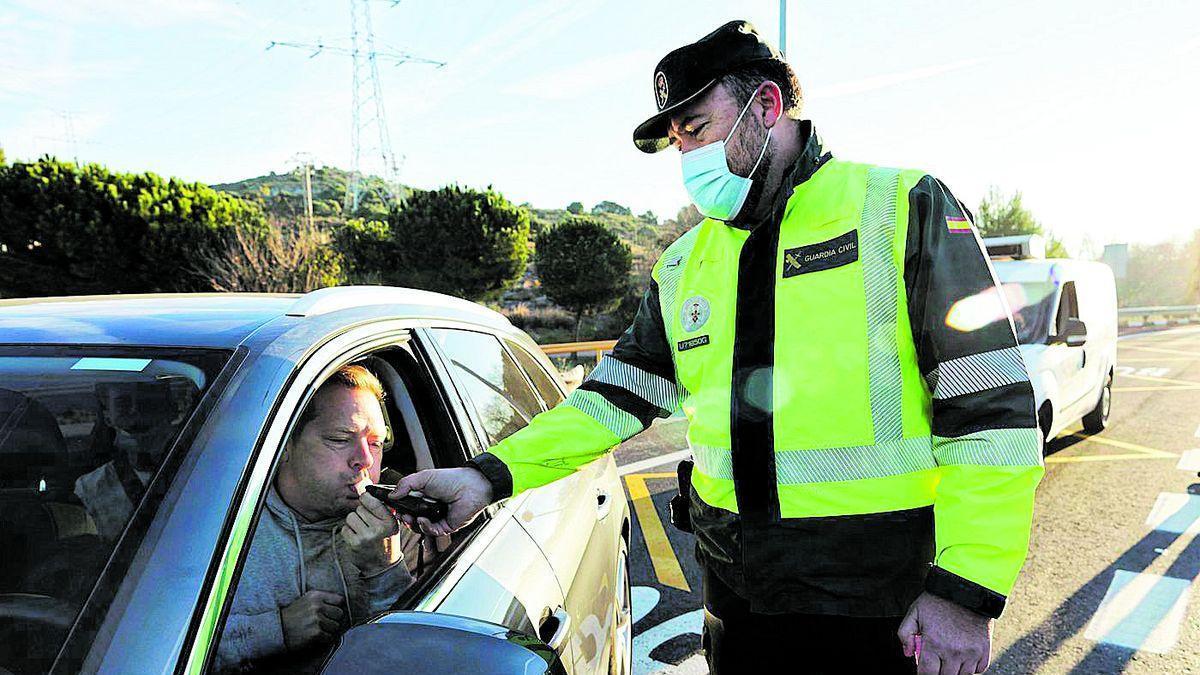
x=77 y=449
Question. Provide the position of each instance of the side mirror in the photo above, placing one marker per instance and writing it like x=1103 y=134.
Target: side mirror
x=440 y=644
x=1074 y=334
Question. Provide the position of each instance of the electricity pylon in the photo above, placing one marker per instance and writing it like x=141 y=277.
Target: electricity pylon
x=369 y=119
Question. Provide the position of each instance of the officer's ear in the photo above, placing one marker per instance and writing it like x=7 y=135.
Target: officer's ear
x=770 y=98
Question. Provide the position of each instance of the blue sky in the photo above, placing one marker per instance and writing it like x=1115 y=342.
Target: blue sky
x=1088 y=108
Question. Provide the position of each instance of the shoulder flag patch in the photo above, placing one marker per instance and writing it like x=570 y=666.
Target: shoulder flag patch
x=957 y=224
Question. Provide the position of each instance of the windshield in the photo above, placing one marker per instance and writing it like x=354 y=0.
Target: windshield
x=1031 y=303
x=81 y=436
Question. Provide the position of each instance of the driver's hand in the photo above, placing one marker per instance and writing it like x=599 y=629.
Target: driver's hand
x=371 y=535
x=465 y=491
x=314 y=617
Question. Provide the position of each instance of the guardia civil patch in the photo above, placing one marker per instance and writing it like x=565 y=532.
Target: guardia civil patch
x=694 y=313
x=826 y=255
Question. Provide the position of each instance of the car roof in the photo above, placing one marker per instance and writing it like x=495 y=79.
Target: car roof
x=209 y=320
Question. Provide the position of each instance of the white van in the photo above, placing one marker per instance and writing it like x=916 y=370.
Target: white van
x=1065 y=313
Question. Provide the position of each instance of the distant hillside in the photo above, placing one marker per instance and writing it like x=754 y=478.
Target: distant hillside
x=282 y=194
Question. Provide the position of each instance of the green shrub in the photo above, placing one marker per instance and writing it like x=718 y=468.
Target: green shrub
x=70 y=230
x=454 y=240
x=583 y=267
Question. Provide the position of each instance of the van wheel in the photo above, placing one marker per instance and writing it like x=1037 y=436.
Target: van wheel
x=1097 y=420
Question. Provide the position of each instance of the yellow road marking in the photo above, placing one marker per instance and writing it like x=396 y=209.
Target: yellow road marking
x=1140 y=452
x=1159 y=379
x=662 y=555
x=1156 y=359
x=1161 y=351
x=1192 y=387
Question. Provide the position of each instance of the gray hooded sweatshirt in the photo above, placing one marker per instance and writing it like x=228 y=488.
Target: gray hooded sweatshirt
x=289 y=557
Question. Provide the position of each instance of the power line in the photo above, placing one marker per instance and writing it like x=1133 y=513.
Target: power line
x=369 y=117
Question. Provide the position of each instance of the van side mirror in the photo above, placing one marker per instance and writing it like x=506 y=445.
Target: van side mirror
x=440 y=644
x=1074 y=334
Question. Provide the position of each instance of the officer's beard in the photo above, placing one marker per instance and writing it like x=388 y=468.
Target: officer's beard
x=746 y=148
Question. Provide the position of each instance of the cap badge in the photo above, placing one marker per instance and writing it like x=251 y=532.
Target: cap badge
x=660 y=89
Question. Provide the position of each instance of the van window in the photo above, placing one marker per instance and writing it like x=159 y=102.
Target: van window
x=1032 y=306
x=1068 y=307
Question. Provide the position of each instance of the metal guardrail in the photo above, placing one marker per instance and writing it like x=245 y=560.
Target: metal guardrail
x=570 y=348
x=1159 y=315
x=1127 y=316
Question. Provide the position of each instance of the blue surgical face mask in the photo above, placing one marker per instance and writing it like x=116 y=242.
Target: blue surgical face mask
x=717 y=192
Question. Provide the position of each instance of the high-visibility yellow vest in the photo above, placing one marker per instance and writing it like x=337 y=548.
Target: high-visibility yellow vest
x=851 y=414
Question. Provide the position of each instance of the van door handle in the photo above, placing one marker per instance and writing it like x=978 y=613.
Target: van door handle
x=603 y=503
x=558 y=625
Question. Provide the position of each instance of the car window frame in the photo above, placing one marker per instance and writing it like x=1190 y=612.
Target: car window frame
x=512 y=346
x=212 y=609
x=448 y=368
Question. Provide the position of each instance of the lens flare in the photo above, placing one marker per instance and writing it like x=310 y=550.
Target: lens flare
x=988 y=306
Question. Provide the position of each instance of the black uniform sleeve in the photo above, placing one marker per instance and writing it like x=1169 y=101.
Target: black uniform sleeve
x=985 y=437
x=966 y=345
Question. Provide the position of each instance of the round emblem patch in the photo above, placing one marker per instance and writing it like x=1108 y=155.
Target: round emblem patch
x=660 y=89
x=694 y=313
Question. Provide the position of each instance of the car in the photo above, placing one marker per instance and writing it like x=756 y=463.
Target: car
x=202 y=389
x=1065 y=314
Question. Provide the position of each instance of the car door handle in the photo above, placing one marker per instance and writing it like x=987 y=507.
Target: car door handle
x=558 y=625
x=603 y=503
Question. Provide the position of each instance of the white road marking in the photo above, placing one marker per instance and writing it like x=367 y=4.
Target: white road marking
x=1141 y=611
x=646 y=641
x=1197 y=432
x=650 y=463
x=644 y=600
x=1189 y=461
x=1175 y=512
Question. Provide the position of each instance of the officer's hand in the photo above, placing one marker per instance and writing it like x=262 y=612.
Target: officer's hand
x=465 y=491
x=954 y=639
x=314 y=617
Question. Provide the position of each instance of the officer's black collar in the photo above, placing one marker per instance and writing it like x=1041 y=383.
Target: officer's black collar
x=812 y=157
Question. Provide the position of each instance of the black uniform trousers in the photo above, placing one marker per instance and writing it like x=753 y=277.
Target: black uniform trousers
x=737 y=640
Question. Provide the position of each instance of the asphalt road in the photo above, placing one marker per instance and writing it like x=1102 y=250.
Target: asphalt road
x=1110 y=582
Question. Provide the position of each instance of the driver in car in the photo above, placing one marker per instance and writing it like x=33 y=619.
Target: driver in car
x=326 y=554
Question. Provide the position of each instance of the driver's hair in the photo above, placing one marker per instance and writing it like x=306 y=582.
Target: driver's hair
x=350 y=376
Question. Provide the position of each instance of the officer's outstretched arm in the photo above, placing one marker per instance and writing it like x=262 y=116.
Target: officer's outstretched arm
x=985 y=435
x=619 y=399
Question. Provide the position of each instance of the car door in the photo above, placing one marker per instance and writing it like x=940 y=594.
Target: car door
x=584 y=557
x=498 y=397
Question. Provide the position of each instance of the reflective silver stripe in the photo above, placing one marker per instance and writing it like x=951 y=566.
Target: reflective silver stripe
x=977 y=372
x=670 y=272
x=598 y=408
x=826 y=465
x=880 y=282
x=713 y=462
x=657 y=391
x=991 y=447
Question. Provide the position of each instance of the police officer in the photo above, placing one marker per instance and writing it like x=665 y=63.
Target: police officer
x=862 y=424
